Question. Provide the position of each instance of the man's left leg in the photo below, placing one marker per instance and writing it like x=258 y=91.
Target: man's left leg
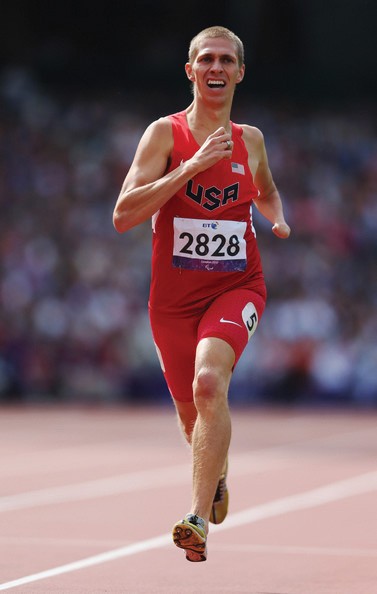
x=187 y=415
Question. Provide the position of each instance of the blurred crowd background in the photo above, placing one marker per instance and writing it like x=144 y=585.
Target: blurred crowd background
x=78 y=86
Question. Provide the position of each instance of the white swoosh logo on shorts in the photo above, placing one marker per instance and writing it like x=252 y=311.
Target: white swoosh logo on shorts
x=230 y=322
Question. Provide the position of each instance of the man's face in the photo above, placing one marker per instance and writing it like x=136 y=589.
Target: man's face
x=215 y=69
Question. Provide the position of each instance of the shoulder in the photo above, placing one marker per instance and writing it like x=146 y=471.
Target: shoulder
x=254 y=141
x=252 y=135
x=159 y=134
x=162 y=126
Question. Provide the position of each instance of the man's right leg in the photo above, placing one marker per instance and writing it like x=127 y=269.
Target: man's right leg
x=210 y=442
x=177 y=351
x=212 y=432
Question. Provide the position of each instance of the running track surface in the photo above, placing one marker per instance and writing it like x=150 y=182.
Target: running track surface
x=88 y=498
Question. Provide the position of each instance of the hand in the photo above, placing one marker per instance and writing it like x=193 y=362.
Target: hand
x=281 y=230
x=217 y=146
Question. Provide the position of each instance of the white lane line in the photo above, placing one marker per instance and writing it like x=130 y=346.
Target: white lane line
x=250 y=463
x=357 y=485
x=295 y=550
x=133 y=481
x=60 y=459
x=238 y=548
x=64 y=458
x=280 y=456
x=138 y=547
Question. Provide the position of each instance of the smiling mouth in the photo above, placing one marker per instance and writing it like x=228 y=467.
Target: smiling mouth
x=216 y=84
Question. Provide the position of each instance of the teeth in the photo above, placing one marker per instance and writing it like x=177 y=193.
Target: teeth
x=219 y=83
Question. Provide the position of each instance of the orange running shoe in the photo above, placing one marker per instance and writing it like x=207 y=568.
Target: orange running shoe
x=190 y=534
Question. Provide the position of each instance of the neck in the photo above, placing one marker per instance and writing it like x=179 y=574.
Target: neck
x=200 y=117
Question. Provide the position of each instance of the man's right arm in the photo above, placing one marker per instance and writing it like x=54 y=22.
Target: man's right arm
x=147 y=187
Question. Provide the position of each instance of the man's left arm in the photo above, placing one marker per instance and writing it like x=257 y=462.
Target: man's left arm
x=268 y=202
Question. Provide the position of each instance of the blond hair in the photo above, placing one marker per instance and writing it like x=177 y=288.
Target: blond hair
x=213 y=32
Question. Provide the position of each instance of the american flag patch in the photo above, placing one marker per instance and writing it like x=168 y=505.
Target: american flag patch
x=238 y=168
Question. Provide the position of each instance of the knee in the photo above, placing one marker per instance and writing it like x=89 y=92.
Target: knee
x=209 y=387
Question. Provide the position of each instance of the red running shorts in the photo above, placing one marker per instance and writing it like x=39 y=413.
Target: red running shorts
x=233 y=317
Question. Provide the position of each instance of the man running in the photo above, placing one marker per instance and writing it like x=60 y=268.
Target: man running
x=197 y=174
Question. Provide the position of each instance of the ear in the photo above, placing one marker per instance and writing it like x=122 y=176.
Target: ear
x=241 y=74
x=189 y=73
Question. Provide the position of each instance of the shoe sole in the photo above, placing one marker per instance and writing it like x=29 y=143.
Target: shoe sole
x=186 y=536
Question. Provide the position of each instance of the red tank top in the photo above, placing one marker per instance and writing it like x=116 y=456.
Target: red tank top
x=203 y=237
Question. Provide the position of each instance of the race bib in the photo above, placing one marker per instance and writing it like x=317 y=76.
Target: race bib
x=213 y=246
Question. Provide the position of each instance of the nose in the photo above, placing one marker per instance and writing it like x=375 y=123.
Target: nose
x=217 y=65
